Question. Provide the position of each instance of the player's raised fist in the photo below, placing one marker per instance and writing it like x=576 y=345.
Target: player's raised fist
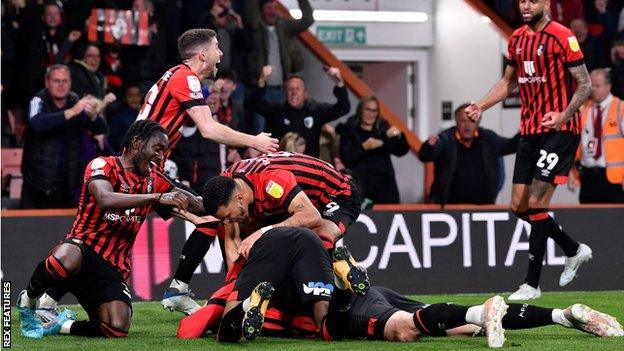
x=473 y=111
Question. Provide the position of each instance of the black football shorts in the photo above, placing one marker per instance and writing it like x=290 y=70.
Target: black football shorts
x=547 y=157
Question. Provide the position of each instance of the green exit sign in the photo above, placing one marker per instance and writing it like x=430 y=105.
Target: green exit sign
x=341 y=35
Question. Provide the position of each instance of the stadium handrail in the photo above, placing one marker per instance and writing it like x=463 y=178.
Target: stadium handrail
x=497 y=20
x=352 y=81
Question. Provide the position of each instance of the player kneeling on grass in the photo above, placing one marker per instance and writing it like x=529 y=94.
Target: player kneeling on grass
x=92 y=262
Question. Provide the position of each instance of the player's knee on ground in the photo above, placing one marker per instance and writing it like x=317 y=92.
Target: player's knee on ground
x=115 y=318
x=113 y=331
x=435 y=319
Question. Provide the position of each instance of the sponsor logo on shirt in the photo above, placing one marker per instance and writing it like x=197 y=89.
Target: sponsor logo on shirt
x=318 y=289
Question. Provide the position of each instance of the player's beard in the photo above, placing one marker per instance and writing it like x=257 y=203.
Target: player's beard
x=535 y=18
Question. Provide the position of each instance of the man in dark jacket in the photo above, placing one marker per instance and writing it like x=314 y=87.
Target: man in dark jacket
x=51 y=161
x=298 y=114
x=466 y=161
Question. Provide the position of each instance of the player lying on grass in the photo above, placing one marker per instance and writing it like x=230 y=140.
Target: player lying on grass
x=383 y=314
x=273 y=190
x=289 y=265
x=92 y=261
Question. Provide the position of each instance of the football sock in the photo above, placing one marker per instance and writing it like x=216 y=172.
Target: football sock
x=436 y=319
x=230 y=329
x=537 y=244
x=52 y=296
x=569 y=245
x=193 y=252
x=84 y=328
x=333 y=325
x=48 y=273
x=559 y=318
x=523 y=316
x=475 y=316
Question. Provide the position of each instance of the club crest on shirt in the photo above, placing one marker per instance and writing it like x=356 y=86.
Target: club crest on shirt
x=286 y=122
x=96 y=167
x=275 y=190
x=540 y=49
x=574 y=45
x=308 y=122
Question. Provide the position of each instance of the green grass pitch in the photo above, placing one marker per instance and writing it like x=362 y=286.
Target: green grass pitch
x=153 y=329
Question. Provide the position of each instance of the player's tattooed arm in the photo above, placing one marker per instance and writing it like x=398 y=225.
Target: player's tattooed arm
x=195 y=204
x=106 y=197
x=583 y=90
x=302 y=213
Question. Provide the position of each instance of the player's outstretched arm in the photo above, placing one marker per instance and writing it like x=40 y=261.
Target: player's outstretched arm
x=108 y=199
x=499 y=91
x=222 y=134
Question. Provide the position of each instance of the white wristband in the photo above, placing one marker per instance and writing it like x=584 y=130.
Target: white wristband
x=265 y=229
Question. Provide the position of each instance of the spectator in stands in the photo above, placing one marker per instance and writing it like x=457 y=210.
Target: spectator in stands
x=229 y=111
x=51 y=159
x=601 y=150
x=234 y=41
x=366 y=143
x=44 y=47
x=564 y=11
x=617 y=69
x=466 y=161
x=298 y=114
x=87 y=78
x=601 y=16
x=120 y=117
x=592 y=47
x=292 y=142
x=273 y=45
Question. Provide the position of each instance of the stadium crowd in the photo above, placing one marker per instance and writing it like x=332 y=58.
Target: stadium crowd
x=255 y=88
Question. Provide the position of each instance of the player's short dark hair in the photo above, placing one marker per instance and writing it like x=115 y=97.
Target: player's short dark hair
x=217 y=192
x=262 y=2
x=191 y=39
x=227 y=74
x=460 y=108
x=48 y=3
x=143 y=130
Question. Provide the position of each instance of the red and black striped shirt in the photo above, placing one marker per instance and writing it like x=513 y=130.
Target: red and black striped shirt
x=277 y=178
x=111 y=233
x=542 y=60
x=167 y=101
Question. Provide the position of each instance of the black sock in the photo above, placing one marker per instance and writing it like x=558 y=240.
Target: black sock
x=537 y=245
x=569 y=245
x=524 y=215
x=193 y=252
x=48 y=273
x=56 y=292
x=524 y=316
x=333 y=324
x=436 y=319
x=230 y=329
x=86 y=328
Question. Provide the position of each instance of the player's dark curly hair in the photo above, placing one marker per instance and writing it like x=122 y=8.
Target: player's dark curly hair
x=143 y=129
x=217 y=192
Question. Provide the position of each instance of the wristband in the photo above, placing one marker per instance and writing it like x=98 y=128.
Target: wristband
x=265 y=229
